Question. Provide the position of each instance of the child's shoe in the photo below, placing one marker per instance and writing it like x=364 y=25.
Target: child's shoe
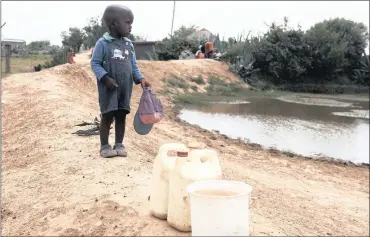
x=106 y=151
x=120 y=149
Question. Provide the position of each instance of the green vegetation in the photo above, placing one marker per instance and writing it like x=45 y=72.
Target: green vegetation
x=41 y=47
x=58 y=58
x=93 y=31
x=73 y=39
x=171 y=47
x=176 y=82
x=23 y=64
x=328 y=58
x=46 y=55
x=199 y=80
x=219 y=87
x=194 y=88
x=216 y=90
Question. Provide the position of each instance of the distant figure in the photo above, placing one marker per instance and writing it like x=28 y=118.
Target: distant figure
x=70 y=56
x=114 y=64
x=199 y=54
x=209 y=50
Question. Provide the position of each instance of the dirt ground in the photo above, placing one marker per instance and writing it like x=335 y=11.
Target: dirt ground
x=55 y=183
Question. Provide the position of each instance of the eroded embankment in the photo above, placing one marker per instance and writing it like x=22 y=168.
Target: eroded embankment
x=55 y=183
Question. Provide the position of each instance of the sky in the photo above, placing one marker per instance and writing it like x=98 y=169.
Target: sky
x=45 y=20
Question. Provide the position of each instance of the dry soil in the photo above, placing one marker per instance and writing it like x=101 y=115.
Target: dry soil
x=55 y=183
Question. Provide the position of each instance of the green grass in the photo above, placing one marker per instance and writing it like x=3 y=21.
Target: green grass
x=176 y=82
x=22 y=65
x=199 y=80
x=217 y=90
x=194 y=88
x=217 y=86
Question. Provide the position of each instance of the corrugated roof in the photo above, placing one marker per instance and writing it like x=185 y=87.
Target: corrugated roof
x=144 y=42
x=13 y=40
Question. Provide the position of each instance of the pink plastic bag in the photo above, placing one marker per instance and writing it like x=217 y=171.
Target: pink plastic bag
x=150 y=111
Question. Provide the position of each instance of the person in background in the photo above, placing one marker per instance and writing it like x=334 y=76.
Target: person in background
x=70 y=55
x=209 y=50
x=199 y=54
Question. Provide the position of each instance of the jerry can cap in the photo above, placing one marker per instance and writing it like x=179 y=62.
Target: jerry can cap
x=182 y=153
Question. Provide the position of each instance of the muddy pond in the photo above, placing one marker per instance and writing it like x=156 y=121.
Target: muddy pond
x=309 y=125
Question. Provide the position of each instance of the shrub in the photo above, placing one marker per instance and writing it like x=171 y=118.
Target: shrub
x=171 y=48
x=199 y=80
x=176 y=82
x=218 y=86
x=194 y=88
x=58 y=58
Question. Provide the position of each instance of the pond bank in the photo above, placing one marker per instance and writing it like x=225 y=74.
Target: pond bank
x=215 y=135
x=58 y=185
x=232 y=98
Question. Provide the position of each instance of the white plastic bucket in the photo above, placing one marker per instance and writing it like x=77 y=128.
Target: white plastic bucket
x=219 y=208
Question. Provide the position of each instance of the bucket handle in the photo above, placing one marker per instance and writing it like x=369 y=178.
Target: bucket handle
x=204 y=156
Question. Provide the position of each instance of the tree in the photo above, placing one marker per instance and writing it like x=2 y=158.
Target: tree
x=282 y=53
x=170 y=48
x=354 y=35
x=38 y=45
x=93 y=31
x=362 y=73
x=336 y=46
x=330 y=52
x=74 y=38
x=184 y=31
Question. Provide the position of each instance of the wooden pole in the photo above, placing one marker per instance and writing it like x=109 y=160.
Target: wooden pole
x=173 y=16
x=8 y=53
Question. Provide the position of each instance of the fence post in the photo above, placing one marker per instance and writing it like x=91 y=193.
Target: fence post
x=8 y=53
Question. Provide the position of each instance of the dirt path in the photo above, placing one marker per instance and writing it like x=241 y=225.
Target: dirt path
x=54 y=183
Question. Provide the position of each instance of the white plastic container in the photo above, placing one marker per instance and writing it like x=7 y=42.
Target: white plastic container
x=201 y=164
x=219 y=208
x=163 y=164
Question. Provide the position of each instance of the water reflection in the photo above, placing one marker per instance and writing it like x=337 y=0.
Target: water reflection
x=304 y=129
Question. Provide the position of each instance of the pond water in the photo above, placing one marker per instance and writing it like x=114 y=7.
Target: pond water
x=307 y=126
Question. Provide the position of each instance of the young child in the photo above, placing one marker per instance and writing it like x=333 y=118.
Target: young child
x=114 y=64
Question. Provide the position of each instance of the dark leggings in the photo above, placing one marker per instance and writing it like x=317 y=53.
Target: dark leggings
x=120 y=125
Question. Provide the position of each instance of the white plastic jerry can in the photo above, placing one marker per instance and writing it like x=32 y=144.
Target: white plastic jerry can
x=201 y=164
x=163 y=164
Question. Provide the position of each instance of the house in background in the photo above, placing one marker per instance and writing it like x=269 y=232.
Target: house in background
x=14 y=44
x=201 y=35
x=143 y=49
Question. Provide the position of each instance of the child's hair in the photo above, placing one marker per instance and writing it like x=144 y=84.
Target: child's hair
x=108 y=16
x=111 y=13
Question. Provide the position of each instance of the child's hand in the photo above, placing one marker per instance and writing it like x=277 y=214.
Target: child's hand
x=110 y=82
x=144 y=83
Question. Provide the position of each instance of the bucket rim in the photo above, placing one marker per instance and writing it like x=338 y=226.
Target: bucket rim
x=191 y=190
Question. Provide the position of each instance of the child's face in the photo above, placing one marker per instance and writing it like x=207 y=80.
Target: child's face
x=123 y=24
